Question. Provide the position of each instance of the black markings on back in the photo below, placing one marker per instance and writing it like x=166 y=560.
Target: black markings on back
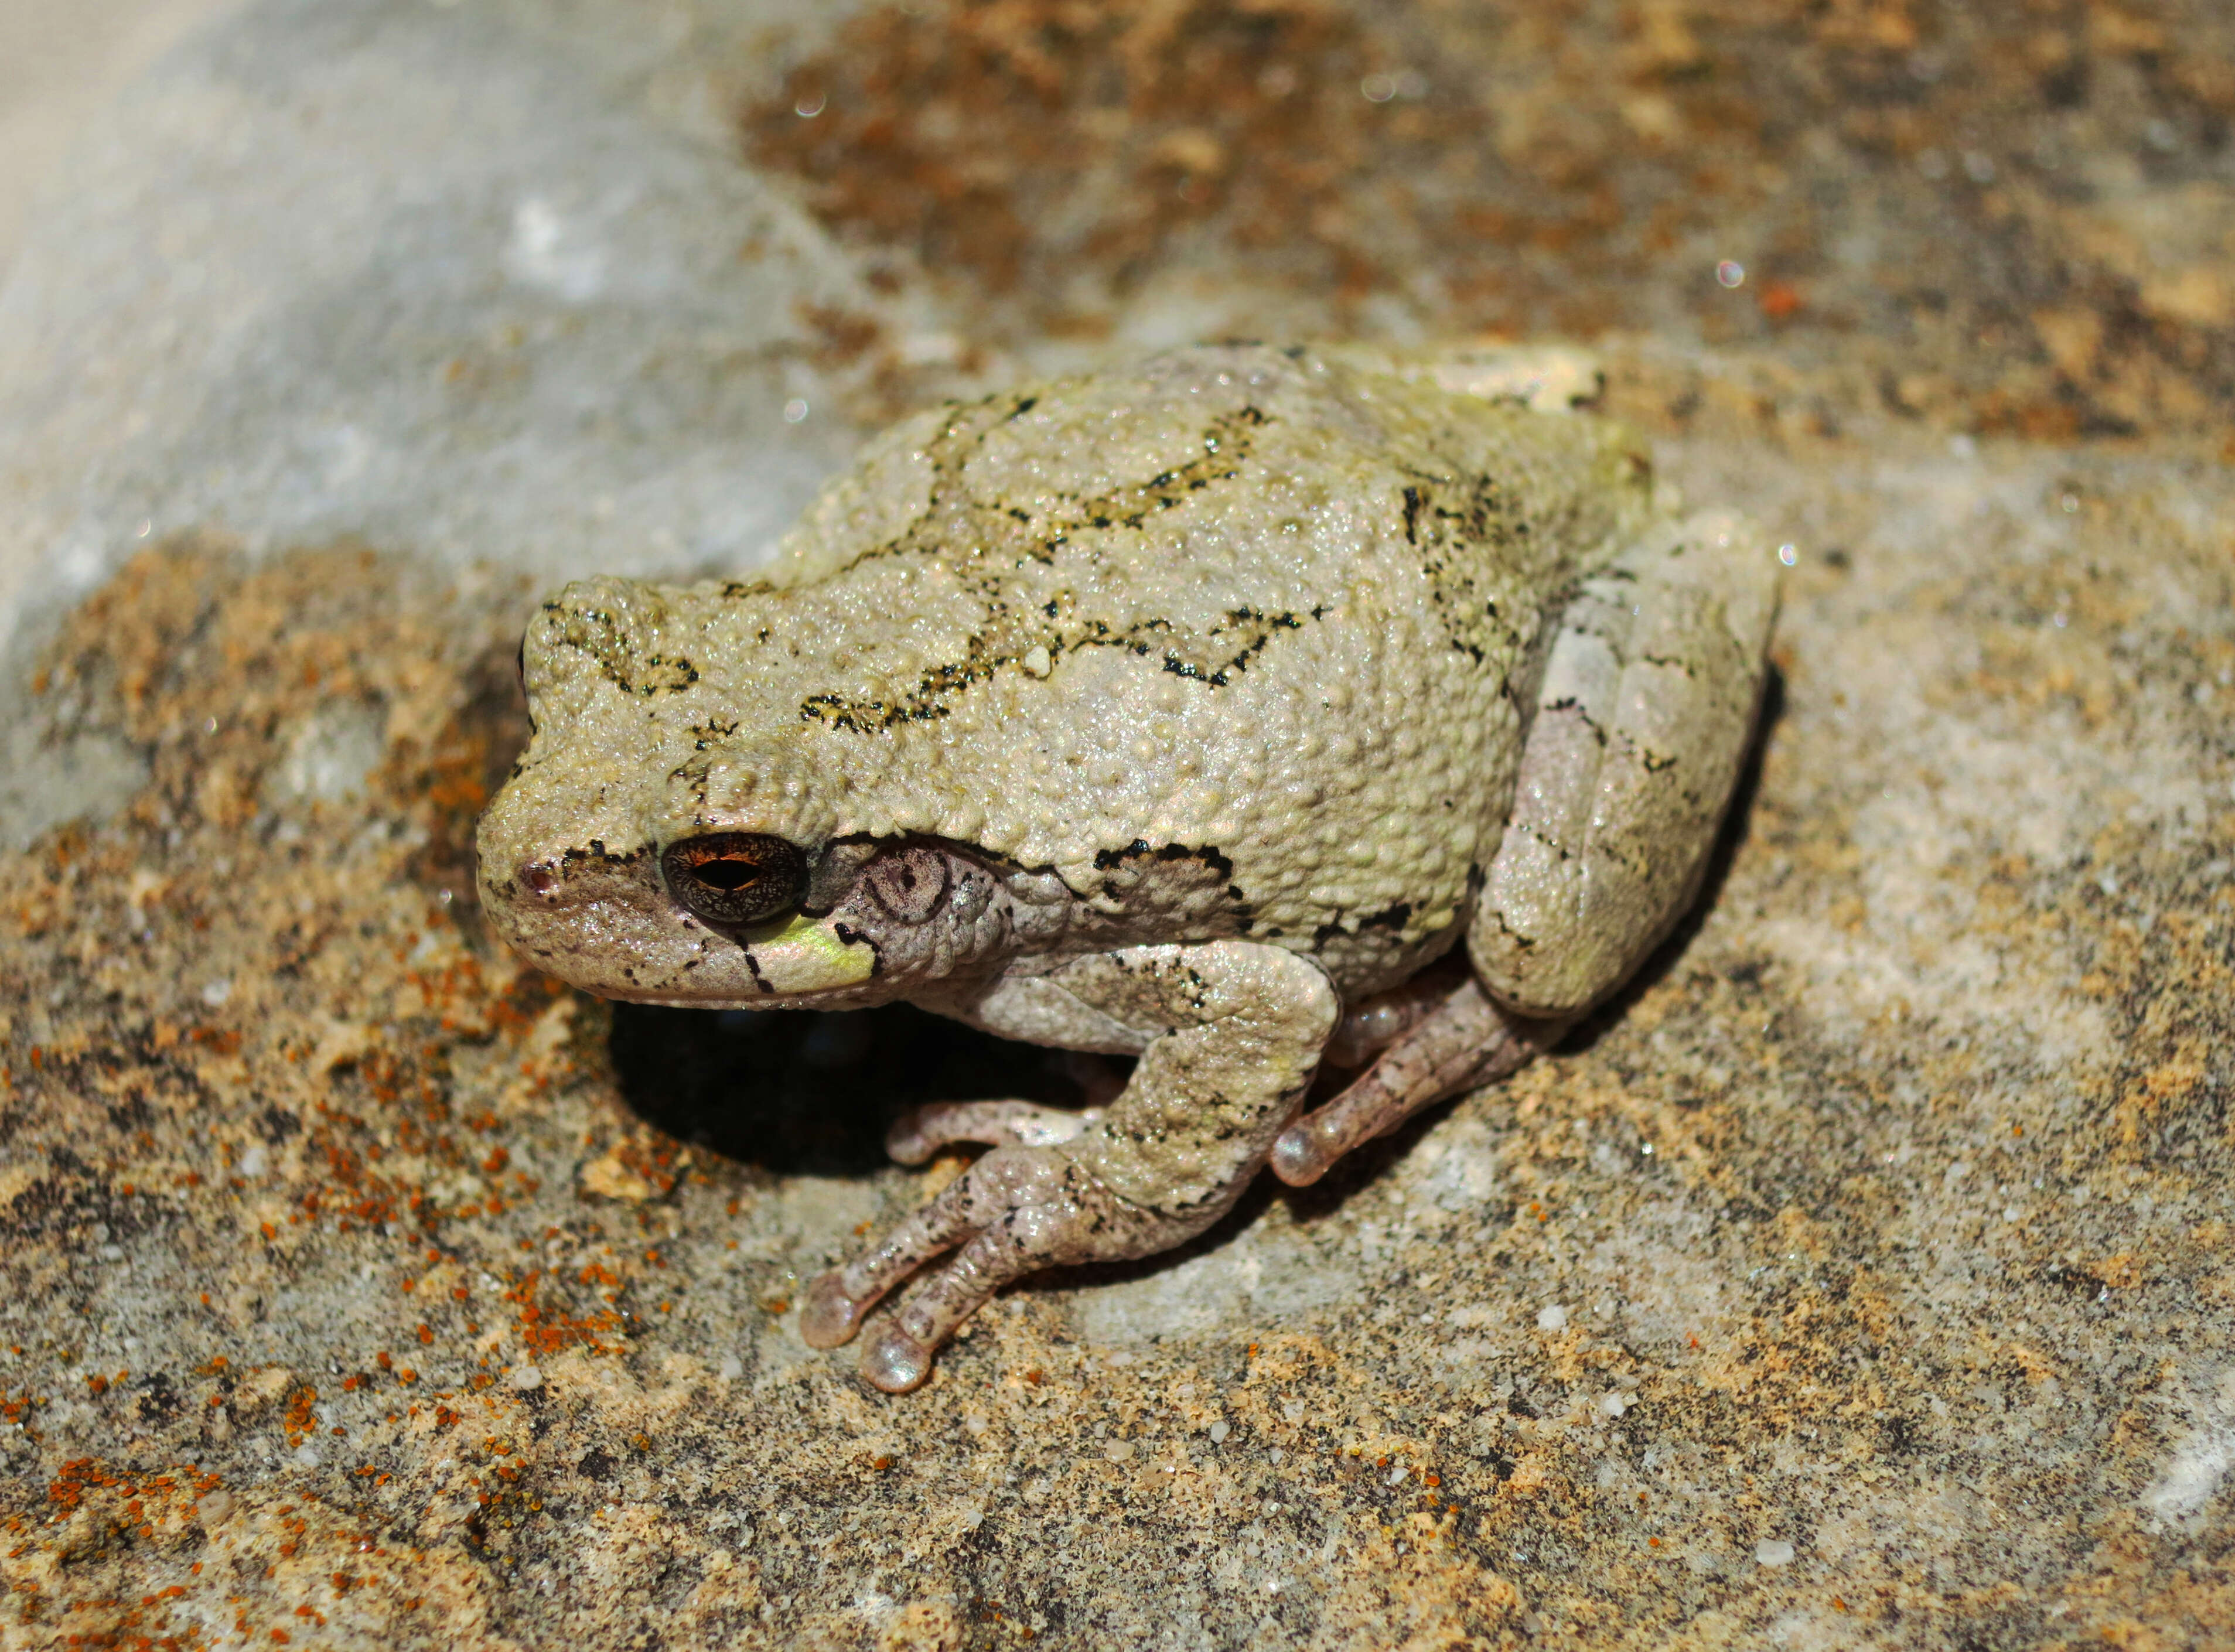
x=1393 y=918
x=1260 y=627
x=1206 y=890
x=1138 y=849
x=956 y=530
x=1467 y=529
x=614 y=646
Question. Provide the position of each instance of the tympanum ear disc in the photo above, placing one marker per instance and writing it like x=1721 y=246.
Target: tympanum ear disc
x=735 y=877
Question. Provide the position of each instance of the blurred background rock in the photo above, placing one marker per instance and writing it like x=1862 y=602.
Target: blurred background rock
x=61 y=63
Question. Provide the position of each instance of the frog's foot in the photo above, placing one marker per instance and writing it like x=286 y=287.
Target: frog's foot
x=1465 y=1040
x=1372 y=1024
x=917 y=1135
x=1017 y=1210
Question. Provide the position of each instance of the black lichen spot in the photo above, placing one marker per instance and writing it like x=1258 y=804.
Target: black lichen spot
x=158 y=1401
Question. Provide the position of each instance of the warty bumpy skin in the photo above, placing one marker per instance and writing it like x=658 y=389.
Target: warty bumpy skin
x=1178 y=710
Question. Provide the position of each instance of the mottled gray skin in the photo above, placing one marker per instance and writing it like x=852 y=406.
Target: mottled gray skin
x=1174 y=712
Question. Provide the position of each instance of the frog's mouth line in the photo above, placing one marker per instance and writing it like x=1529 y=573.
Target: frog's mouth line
x=801 y=955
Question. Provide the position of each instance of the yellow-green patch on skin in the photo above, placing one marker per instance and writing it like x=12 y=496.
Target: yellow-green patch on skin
x=807 y=955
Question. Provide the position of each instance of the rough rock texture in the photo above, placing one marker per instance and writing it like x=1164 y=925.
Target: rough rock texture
x=1863 y=1278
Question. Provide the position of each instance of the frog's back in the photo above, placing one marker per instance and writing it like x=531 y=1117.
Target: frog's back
x=1254 y=610
x=1226 y=454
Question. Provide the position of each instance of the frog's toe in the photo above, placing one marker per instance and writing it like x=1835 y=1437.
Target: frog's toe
x=1308 y=1149
x=895 y=1361
x=898 y=1358
x=830 y=1316
x=1017 y=1210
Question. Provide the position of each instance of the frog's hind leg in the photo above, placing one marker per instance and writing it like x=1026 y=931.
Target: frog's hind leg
x=1641 y=723
x=1642 y=720
x=1467 y=1040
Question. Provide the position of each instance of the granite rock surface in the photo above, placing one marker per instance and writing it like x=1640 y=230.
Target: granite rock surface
x=1862 y=1277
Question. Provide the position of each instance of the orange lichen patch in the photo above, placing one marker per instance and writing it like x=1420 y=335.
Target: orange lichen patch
x=298 y=1419
x=1780 y=300
x=356 y=1120
x=17 y=1408
x=641 y=1166
x=138 y=1497
x=265 y=1568
x=547 y=1329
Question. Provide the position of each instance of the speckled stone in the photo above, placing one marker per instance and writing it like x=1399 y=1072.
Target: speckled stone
x=1862 y=1277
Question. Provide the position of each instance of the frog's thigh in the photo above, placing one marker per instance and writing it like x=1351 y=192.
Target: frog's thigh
x=1648 y=703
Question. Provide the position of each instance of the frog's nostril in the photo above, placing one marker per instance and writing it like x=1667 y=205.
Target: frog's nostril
x=539 y=877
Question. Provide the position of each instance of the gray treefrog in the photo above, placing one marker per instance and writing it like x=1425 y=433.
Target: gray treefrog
x=1188 y=710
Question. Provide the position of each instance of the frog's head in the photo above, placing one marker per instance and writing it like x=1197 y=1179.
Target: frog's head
x=669 y=835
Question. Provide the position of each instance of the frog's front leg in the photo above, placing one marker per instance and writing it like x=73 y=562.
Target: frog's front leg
x=922 y=1132
x=1230 y=1033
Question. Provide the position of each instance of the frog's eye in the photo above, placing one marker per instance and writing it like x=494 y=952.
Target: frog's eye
x=735 y=877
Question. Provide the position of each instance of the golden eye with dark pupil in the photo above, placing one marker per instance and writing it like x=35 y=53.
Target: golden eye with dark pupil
x=735 y=877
